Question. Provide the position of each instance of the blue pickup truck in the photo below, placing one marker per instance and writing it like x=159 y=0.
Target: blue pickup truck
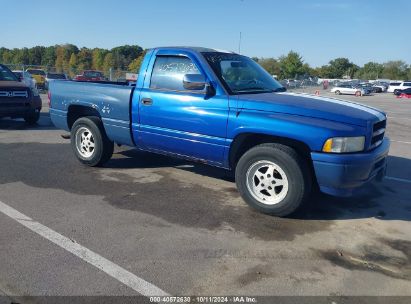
x=223 y=109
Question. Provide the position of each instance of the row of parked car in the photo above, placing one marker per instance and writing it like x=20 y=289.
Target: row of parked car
x=38 y=78
x=367 y=88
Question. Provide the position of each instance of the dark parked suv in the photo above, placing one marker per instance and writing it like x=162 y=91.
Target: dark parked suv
x=17 y=100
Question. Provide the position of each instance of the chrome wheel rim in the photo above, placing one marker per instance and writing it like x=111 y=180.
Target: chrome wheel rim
x=267 y=182
x=85 y=142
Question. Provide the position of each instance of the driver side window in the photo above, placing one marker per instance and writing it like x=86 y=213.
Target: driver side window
x=168 y=72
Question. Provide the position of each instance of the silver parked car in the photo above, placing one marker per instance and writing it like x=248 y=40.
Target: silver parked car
x=350 y=90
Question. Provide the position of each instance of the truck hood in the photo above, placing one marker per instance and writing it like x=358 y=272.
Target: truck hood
x=12 y=85
x=311 y=106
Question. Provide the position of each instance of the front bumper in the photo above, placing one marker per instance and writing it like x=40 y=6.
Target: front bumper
x=341 y=174
x=19 y=108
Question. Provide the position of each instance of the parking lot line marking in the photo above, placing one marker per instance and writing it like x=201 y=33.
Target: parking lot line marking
x=113 y=270
x=398 y=179
x=402 y=142
x=396 y=117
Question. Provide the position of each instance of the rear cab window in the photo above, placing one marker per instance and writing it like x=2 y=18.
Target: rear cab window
x=168 y=72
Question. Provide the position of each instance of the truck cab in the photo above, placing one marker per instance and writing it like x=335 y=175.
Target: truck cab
x=223 y=109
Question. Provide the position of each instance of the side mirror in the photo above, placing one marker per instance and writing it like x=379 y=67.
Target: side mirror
x=194 y=82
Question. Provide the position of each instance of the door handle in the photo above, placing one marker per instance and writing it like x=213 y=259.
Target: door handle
x=147 y=101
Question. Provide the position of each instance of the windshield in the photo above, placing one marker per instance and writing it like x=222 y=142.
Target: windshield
x=56 y=76
x=241 y=75
x=18 y=74
x=6 y=74
x=37 y=72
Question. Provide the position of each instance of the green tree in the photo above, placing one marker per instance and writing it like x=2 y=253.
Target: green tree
x=21 y=56
x=135 y=65
x=340 y=67
x=323 y=71
x=97 y=59
x=6 y=55
x=395 y=70
x=271 y=65
x=370 y=70
x=68 y=50
x=36 y=54
x=310 y=71
x=59 y=64
x=85 y=59
x=49 y=56
x=73 y=64
x=291 y=65
x=108 y=62
x=124 y=55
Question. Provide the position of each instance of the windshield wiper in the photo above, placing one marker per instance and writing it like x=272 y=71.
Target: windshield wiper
x=282 y=89
x=261 y=90
x=254 y=89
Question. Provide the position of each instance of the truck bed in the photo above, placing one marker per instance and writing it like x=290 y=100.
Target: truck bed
x=110 y=100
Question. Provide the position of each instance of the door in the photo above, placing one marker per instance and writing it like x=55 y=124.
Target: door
x=180 y=121
x=345 y=89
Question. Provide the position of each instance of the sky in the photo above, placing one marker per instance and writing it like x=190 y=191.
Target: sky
x=319 y=30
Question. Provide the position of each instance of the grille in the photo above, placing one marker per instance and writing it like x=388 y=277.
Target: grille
x=8 y=105
x=378 y=133
x=14 y=94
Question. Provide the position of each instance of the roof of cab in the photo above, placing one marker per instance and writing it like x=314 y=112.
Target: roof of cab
x=196 y=49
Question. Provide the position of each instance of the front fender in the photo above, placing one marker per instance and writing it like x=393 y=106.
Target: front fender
x=311 y=131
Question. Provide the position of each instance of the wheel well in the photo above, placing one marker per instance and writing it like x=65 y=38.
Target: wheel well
x=244 y=142
x=75 y=112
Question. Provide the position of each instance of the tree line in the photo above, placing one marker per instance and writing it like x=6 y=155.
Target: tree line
x=70 y=59
x=292 y=66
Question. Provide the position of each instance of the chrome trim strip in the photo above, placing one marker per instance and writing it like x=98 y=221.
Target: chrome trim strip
x=378 y=132
x=14 y=94
x=376 y=144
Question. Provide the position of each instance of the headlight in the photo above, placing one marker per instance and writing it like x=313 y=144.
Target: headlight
x=35 y=92
x=344 y=144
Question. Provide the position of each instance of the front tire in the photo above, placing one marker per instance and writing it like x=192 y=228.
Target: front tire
x=90 y=143
x=337 y=92
x=273 y=179
x=32 y=118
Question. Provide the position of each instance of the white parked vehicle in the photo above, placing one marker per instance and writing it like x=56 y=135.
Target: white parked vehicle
x=349 y=90
x=397 y=86
x=26 y=78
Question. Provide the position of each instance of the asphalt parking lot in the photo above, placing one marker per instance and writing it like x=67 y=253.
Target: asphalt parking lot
x=183 y=227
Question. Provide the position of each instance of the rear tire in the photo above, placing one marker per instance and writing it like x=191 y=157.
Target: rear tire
x=90 y=143
x=273 y=179
x=337 y=93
